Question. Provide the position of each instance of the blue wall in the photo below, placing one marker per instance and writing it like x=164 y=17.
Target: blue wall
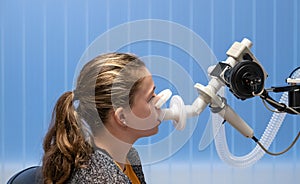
x=41 y=43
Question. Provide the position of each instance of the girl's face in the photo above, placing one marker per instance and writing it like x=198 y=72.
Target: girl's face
x=143 y=117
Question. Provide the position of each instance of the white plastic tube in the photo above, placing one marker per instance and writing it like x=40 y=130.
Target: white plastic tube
x=257 y=153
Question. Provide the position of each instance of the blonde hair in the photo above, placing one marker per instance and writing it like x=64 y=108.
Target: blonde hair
x=108 y=81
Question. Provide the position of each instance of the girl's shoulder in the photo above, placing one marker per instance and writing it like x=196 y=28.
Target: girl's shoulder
x=99 y=169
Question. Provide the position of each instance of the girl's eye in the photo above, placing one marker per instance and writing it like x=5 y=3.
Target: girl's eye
x=152 y=97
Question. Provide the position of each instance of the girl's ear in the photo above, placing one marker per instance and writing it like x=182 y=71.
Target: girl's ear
x=120 y=117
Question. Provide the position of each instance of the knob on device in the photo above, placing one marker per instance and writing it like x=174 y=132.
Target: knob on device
x=245 y=79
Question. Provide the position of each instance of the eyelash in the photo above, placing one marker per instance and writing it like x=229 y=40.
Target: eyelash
x=151 y=98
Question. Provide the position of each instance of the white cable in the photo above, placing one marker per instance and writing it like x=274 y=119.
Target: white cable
x=257 y=153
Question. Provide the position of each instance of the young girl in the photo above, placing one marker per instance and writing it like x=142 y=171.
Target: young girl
x=94 y=127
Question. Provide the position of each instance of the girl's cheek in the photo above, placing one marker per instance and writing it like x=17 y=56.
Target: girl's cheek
x=143 y=112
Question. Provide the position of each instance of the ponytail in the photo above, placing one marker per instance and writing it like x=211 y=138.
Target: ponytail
x=64 y=144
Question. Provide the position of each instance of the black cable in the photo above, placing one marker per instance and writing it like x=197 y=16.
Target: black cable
x=294 y=71
x=279 y=106
x=279 y=153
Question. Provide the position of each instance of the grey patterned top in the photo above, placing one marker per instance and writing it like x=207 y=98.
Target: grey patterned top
x=102 y=169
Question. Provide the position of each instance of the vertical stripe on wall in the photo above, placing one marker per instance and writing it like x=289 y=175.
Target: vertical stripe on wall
x=2 y=112
x=170 y=54
x=296 y=63
x=191 y=142
x=65 y=18
x=45 y=108
x=23 y=85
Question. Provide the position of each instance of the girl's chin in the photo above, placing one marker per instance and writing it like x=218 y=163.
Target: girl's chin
x=150 y=132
